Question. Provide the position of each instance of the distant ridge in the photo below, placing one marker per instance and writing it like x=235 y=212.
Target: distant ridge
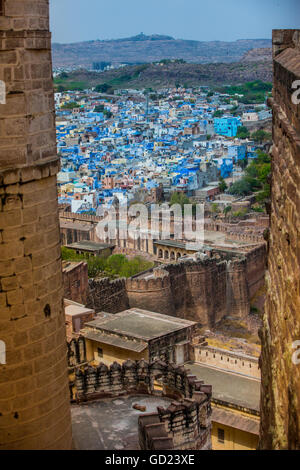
x=144 y=49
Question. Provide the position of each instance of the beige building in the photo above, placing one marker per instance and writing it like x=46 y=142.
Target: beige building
x=138 y=334
x=76 y=315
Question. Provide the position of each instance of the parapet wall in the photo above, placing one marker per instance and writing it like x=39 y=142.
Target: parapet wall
x=92 y=219
x=185 y=424
x=229 y=360
x=136 y=377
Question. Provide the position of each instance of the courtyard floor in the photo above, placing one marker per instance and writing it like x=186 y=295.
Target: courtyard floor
x=111 y=423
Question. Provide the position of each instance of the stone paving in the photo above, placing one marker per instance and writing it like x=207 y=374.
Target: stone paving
x=112 y=423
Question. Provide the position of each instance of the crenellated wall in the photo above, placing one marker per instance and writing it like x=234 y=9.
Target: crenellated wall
x=135 y=376
x=204 y=290
x=183 y=425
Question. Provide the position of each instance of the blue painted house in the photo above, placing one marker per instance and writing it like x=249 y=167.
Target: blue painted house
x=227 y=125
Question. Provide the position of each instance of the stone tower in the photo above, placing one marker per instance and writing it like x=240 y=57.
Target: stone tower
x=280 y=361
x=34 y=396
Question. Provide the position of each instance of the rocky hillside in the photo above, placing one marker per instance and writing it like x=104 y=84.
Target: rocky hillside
x=256 y=55
x=141 y=49
x=169 y=74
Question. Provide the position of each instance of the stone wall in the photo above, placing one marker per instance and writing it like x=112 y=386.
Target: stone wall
x=181 y=289
x=76 y=352
x=106 y=295
x=75 y=279
x=225 y=359
x=34 y=397
x=185 y=289
x=183 y=425
x=280 y=401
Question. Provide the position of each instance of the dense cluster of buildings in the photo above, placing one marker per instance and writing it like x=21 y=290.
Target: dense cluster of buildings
x=144 y=145
x=139 y=357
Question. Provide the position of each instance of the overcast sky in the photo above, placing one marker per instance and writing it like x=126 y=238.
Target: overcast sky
x=203 y=20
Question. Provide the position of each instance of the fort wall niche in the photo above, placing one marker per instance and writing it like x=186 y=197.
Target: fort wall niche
x=34 y=395
x=280 y=400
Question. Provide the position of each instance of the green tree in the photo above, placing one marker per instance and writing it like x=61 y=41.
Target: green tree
x=116 y=262
x=218 y=113
x=104 y=88
x=242 y=132
x=108 y=114
x=240 y=188
x=227 y=210
x=222 y=185
x=214 y=208
x=70 y=105
x=99 y=108
x=261 y=136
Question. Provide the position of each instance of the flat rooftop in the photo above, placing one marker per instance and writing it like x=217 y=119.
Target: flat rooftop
x=70 y=265
x=229 y=387
x=175 y=244
x=112 y=423
x=138 y=323
x=75 y=310
x=88 y=245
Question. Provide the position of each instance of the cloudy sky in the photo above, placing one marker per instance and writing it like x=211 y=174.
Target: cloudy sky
x=203 y=20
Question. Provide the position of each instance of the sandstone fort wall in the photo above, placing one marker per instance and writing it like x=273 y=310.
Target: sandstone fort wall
x=34 y=401
x=280 y=403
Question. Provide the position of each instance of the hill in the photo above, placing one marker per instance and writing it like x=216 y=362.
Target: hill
x=142 y=49
x=255 y=55
x=168 y=74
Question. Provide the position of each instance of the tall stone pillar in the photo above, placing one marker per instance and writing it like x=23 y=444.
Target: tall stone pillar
x=34 y=396
x=280 y=358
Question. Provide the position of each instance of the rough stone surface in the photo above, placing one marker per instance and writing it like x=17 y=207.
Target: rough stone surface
x=280 y=400
x=34 y=407
x=185 y=424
